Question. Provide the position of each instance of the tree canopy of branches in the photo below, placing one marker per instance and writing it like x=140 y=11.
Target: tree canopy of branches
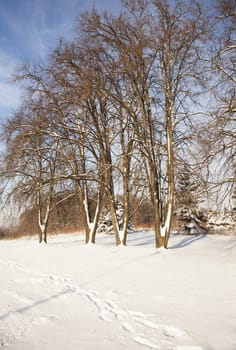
x=218 y=136
x=111 y=113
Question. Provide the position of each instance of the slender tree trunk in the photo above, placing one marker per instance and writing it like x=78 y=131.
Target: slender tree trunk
x=43 y=218
x=157 y=224
x=170 y=173
x=40 y=236
x=94 y=223
x=125 y=226
x=43 y=224
x=115 y=223
x=86 y=212
x=91 y=225
x=126 y=189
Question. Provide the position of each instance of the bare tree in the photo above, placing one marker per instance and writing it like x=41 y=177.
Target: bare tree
x=31 y=162
x=218 y=137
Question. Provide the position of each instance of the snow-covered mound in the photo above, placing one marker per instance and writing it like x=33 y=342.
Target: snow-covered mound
x=222 y=221
x=66 y=295
x=194 y=221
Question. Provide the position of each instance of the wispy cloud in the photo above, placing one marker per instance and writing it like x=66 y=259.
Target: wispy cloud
x=27 y=33
x=29 y=29
x=10 y=93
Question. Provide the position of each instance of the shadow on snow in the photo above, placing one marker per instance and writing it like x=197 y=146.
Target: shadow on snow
x=188 y=240
x=31 y=306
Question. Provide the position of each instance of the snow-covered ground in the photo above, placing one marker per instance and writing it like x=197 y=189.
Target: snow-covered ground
x=67 y=295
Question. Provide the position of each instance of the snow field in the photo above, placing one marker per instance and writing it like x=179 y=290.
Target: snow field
x=68 y=295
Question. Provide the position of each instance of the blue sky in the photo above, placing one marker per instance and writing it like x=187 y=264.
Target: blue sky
x=28 y=30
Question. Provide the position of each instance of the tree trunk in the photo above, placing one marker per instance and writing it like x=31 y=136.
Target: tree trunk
x=115 y=223
x=40 y=236
x=91 y=224
x=157 y=224
x=165 y=230
x=43 y=223
x=43 y=233
x=94 y=223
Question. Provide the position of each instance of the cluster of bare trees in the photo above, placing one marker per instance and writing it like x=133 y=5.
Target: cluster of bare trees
x=113 y=113
x=219 y=136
